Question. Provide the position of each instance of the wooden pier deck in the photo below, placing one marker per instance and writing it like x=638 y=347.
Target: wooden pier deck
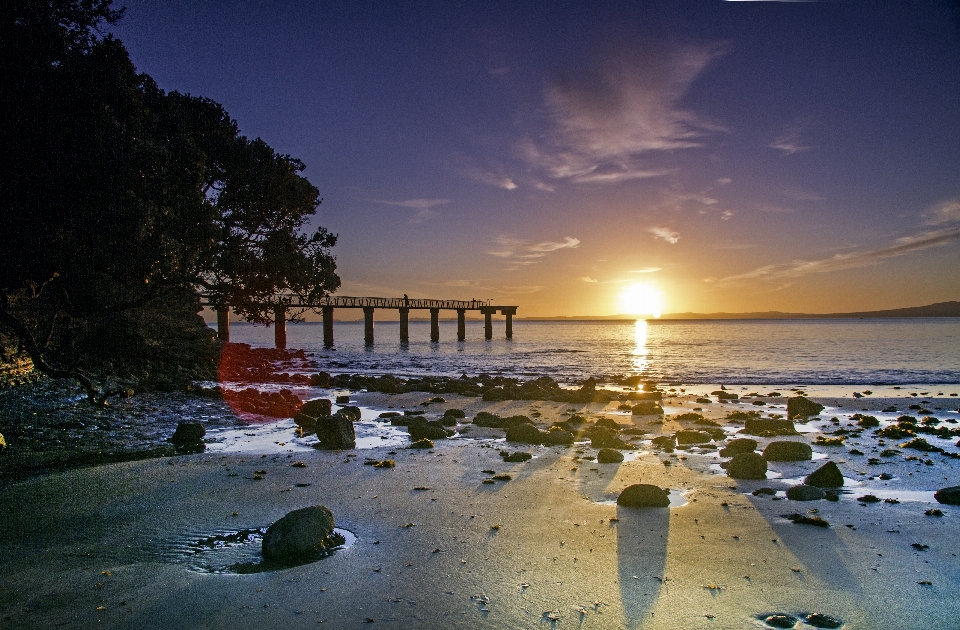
x=403 y=305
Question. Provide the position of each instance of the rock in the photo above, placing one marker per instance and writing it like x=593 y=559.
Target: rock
x=769 y=427
x=351 y=412
x=643 y=495
x=739 y=445
x=803 y=407
x=3 y=443
x=601 y=437
x=525 y=433
x=759 y=492
x=454 y=413
x=343 y=400
x=320 y=379
x=647 y=408
x=784 y=451
x=805 y=493
x=422 y=443
x=827 y=476
x=948 y=496
x=336 y=432
x=693 y=437
x=819 y=620
x=780 y=621
x=607 y=423
x=299 y=536
x=609 y=456
x=432 y=430
x=555 y=436
x=519 y=456
x=317 y=407
x=747 y=466
x=666 y=442
x=188 y=438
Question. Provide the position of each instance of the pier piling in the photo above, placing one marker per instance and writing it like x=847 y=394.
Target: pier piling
x=223 y=324
x=368 y=325
x=404 y=325
x=434 y=325
x=327 y=326
x=461 y=324
x=280 y=327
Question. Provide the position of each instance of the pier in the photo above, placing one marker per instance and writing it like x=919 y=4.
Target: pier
x=369 y=304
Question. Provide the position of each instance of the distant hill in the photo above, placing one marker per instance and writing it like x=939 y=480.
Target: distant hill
x=940 y=309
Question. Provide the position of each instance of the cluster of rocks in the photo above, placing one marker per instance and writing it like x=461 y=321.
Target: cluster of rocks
x=188 y=437
x=334 y=430
x=603 y=433
x=281 y=404
x=242 y=363
x=490 y=388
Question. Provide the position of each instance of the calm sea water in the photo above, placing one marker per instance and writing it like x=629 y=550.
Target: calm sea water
x=868 y=351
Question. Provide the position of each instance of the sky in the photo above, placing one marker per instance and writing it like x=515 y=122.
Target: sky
x=693 y=156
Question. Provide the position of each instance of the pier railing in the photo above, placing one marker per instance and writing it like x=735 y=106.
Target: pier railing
x=369 y=304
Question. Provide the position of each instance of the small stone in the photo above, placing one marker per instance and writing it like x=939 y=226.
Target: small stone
x=805 y=493
x=609 y=456
x=803 y=407
x=739 y=445
x=827 y=476
x=819 y=620
x=693 y=437
x=643 y=495
x=948 y=496
x=769 y=427
x=747 y=466
x=781 y=621
x=784 y=451
x=525 y=434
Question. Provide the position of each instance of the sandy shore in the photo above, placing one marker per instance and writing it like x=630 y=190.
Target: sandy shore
x=438 y=548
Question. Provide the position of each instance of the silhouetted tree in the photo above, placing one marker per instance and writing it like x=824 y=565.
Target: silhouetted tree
x=119 y=202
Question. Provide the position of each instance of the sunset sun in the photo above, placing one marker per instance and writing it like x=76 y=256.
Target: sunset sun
x=641 y=299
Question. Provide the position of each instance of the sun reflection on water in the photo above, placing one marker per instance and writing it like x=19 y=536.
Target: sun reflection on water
x=640 y=351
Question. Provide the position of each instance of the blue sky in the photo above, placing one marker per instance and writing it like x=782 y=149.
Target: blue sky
x=732 y=156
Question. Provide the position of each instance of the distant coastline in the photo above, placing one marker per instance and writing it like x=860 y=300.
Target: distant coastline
x=939 y=309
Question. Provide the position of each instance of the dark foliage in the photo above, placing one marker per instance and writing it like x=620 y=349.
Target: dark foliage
x=121 y=203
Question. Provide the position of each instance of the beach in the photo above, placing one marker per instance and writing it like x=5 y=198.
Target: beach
x=439 y=545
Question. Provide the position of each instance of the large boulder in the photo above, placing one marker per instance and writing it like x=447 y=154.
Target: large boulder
x=299 y=536
x=602 y=437
x=803 y=407
x=524 y=433
x=827 y=476
x=188 y=437
x=647 y=408
x=350 y=411
x=784 y=451
x=693 y=437
x=948 y=496
x=555 y=436
x=643 y=495
x=336 y=432
x=609 y=456
x=317 y=407
x=747 y=466
x=769 y=427
x=431 y=430
x=739 y=445
x=805 y=493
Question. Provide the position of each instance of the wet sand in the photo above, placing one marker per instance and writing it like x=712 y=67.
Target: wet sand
x=438 y=548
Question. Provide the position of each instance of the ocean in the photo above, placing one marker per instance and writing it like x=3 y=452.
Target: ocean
x=801 y=351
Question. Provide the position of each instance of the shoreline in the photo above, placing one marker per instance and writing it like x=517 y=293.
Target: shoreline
x=436 y=546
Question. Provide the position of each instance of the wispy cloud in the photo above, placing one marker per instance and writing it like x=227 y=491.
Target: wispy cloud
x=524 y=252
x=853 y=260
x=646 y=270
x=666 y=234
x=588 y=279
x=789 y=142
x=423 y=207
x=625 y=107
x=944 y=212
x=517 y=290
x=491 y=177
